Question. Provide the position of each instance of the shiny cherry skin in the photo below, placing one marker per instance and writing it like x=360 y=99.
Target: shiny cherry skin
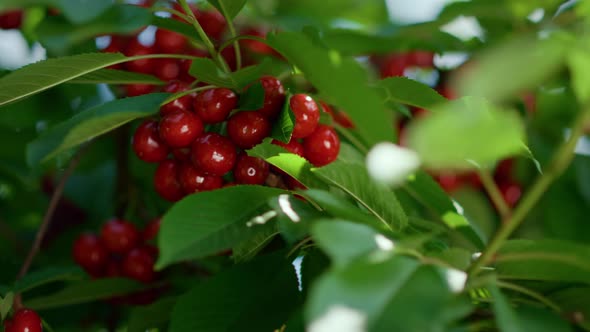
x=119 y=236
x=247 y=129
x=166 y=181
x=167 y=69
x=293 y=146
x=213 y=154
x=214 y=105
x=179 y=129
x=184 y=103
x=274 y=96
x=251 y=170
x=90 y=253
x=138 y=264
x=307 y=115
x=151 y=230
x=322 y=146
x=193 y=180
x=26 y=320
x=147 y=144
x=167 y=41
x=134 y=90
x=11 y=19
x=145 y=66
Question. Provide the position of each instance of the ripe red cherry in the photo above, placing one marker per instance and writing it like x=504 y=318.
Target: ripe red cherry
x=26 y=320
x=134 y=90
x=166 y=181
x=256 y=46
x=247 y=129
x=194 y=180
x=184 y=103
x=138 y=264
x=449 y=182
x=179 y=129
x=274 y=96
x=11 y=19
x=511 y=191
x=169 y=41
x=322 y=146
x=213 y=23
x=182 y=154
x=214 y=105
x=423 y=59
x=119 y=236
x=145 y=66
x=251 y=170
x=185 y=64
x=167 y=69
x=90 y=253
x=147 y=144
x=293 y=146
x=213 y=154
x=394 y=65
x=113 y=269
x=151 y=229
x=307 y=115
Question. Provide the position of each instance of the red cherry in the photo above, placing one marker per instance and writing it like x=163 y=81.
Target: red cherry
x=229 y=55
x=169 y=41
x=113 y=269
x=166 y=181
x=11 y=19
x=255 y=46
x=307 y=115
x=116 y=45
x=147 y=144
x=422 y=59
x=322 y=146
x=185 y=64
x=213 y=154
x=293 y=146
x=292 y=183
x=511 y=191
x=179 y=129
x=182 y=154
x=138 y=264
x=214 y=105
x=394 y=65
x=449 y=181
x=167 y=69
x=119 y=236
x=134 y=90
x=194 y=180
x=151 y=229
x=213 y=23
x=184 y=103
x=251 y=170
x=274 y=96
x=90 y=253
x=503 y=171
x=26 y=320
x=8 y=325
x=145 y=66
x=247 y=129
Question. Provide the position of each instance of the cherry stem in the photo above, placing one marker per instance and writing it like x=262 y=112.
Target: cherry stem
x=495 y=194
x=558 y=165
x=232 y=31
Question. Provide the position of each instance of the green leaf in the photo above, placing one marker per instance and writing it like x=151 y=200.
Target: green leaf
x=436 y=140
x=154 y=315
x=253 y=98
x=340 y=80
x=248 y=248
x=283 y=126
x=579 y=65
x=114 y=76
x=572 y=300
x=91 y=123
x=547 y=260
x=180 y=27
x=47 y=275
x=79 y=11
x=377 y=199
x=534 y=60
x=204 y=69
x=245 y=76
x=208 y=222
x=258 y=296
x=406 y=91
x=6 y=305
x=230 y=7
x=43 y=75
x=506 y=317
x=83 y=292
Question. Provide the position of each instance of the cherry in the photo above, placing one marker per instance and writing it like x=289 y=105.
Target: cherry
x=194 y=180
x=169 y=41
x=138 y=264
x=167 y=69
x=229 y=55
x=292 y=183
x=213 y=154
x=184 y=103
x=182 y=154
x=340 y=118
x=251 y=170
x=8 y=325
x=134 y=90
x=293 y=146
x=213 y=23
x=113 y=269
x=503 y=171
x=119 y=236
x=166 y=181
x=90 y=253
x=145 y=66
x=116 y=45
x=394 y=65
x=147 y=144
x=322 y=146
x=179 y=129
x=511 y=191
x=449 y=181
x=214 y=105
x=151 y=229
x=307 y=115
x=185 y=64
x=274 y=96
x=255 y=46
x=11 y=19
x=422 y=59
x=247 y=129
x=25 y=320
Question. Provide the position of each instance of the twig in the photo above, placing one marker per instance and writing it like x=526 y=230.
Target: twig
x=495 y=194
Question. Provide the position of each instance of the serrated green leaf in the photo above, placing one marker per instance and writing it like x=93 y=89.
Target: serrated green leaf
x=114 y=76
x=91 y=123
x=406 y=91
x=229 y=7
x=208 y=222
x=47 y=275
x=154 y=315
x=284 y=125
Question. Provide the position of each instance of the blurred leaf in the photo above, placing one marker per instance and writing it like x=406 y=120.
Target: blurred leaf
x=47 y=275
x=76 y=11
x=6 y=304
x=84 y=291
x=257 y=296
x=572 y=300
x=208 y=222
x=151 y=316
x=283 y=126
x=579 y=64
x=435 y=137
x=406 y=91
x=340 y=80
x=377 y=199
x=114 y=76
x=250 y=74
x=180 y=27
x=506 y=317
x=232 y=7
x=91 y=123
x=204 y=69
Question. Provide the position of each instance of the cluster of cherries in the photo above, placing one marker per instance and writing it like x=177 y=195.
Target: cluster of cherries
x=121 y=250
x=24 y=320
